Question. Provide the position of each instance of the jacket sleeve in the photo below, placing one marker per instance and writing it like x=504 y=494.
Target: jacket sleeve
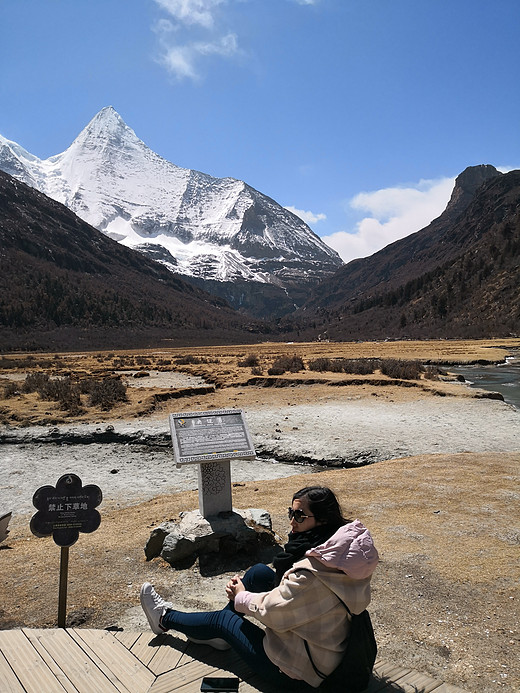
x=293 y=603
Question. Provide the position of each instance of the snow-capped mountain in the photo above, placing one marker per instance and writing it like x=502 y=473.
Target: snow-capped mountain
x=210 y=229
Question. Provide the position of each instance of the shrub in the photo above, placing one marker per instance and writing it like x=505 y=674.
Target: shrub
x=360 y=366
x=142 y=361
x=11 y=389
x=284 y=363
x=27 y=362
x=186 y=360
x=250 y=361
x=62 y=390
x=35 y=382
x=105 y=393
x=405 y=370
x=8 y=363
x=433 y=372
x=356 y=366
x=320 y=364
x=256 y=370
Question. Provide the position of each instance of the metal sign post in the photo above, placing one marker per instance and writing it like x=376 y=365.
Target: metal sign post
x=64 y=511
x=62 y=595
x=211 y=439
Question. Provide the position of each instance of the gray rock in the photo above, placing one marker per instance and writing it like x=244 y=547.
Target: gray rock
x=225 y=534
x=155 y=543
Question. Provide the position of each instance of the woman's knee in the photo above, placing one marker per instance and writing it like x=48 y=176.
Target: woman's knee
x=259 y=578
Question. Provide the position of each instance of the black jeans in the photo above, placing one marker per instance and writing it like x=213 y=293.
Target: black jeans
x=245 y=638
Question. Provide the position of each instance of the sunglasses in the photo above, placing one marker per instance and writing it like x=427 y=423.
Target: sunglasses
x=298 y=515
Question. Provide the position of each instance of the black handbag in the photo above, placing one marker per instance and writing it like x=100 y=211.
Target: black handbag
x=352 y=675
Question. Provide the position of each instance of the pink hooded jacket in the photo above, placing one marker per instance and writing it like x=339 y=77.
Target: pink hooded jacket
x=350 y=550
x=306 y=605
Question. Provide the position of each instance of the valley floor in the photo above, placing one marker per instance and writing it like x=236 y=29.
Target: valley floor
x=441 y=501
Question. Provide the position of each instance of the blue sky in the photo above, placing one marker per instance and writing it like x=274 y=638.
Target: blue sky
x=357 y=113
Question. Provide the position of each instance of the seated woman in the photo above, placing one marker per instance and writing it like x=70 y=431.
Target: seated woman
x=327 y=562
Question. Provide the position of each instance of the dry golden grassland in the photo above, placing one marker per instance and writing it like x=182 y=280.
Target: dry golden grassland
x=221 y=367
x=446 y=593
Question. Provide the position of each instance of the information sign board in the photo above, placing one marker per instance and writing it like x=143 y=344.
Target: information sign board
x=66 y=510
x=210 y=436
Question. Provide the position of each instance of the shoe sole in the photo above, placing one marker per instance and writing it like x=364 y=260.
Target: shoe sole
x=216 y=643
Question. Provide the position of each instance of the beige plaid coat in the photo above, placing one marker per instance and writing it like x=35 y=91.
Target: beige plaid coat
x=306 y=606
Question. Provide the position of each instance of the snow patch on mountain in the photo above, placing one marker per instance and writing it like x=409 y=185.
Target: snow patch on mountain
x=200 y=226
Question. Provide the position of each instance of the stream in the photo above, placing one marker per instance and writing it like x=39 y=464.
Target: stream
x=503 y=378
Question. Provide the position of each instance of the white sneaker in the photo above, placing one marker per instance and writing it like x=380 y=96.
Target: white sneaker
x=154 y=607
x=217 y=643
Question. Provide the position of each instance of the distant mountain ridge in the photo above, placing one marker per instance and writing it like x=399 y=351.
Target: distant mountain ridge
x=407 y=257
x=457 y=277
x=63 y=285
x=248 y=248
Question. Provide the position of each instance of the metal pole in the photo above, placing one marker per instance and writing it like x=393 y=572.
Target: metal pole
x=62 y=600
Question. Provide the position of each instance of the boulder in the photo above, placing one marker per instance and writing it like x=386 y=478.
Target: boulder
x=225 y=534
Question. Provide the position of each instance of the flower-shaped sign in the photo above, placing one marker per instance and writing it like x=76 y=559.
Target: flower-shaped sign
x=66 y=510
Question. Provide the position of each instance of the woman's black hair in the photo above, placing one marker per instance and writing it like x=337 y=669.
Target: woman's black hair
x=323 y=504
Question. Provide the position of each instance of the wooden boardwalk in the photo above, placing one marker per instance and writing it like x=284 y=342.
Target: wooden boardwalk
x=80 y=660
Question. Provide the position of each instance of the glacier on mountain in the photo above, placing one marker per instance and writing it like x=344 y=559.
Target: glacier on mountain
x=217 y=229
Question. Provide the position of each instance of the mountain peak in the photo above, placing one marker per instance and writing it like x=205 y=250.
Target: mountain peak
x=217 y=229
x=108 y=126
x=466 y=185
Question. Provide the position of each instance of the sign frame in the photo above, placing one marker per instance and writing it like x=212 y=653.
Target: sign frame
x=220 y=425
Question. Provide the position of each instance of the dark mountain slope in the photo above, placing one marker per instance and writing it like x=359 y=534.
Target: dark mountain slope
x=459 y=277
x=408 y=257
x=64 y=284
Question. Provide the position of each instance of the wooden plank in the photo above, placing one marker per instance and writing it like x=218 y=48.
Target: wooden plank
x=81 y=670
x=121 y=665
x=28 y=666
x=166 y=659
x=86 y=661
x=127 y=637
x=34 y=635
x=8 y=681
x=385 y=674
x=190 y=674
x=448 y=688
x=145 y=647
x=415 y=682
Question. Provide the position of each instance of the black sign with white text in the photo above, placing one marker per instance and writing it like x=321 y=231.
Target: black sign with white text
x=66 y=510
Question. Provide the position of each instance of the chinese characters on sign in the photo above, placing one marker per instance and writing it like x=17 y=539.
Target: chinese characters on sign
x=66 y=510
x=210 y=435
x=211 y=439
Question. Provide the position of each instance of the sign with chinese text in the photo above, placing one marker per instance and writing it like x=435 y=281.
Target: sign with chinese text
x=210 y=436
x=66 y=510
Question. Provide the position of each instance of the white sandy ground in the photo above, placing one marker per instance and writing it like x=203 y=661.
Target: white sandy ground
x=357 y=431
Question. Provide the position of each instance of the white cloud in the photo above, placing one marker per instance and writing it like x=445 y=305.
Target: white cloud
x=192 y=12
x=307 y=217
x=197 y=17
x=393 y=214
x=227 y=45
x=182 y=61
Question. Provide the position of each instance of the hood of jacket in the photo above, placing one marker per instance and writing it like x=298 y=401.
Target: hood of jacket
x=351 y=550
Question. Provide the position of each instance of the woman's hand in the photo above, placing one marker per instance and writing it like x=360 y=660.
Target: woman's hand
x=234 y=586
